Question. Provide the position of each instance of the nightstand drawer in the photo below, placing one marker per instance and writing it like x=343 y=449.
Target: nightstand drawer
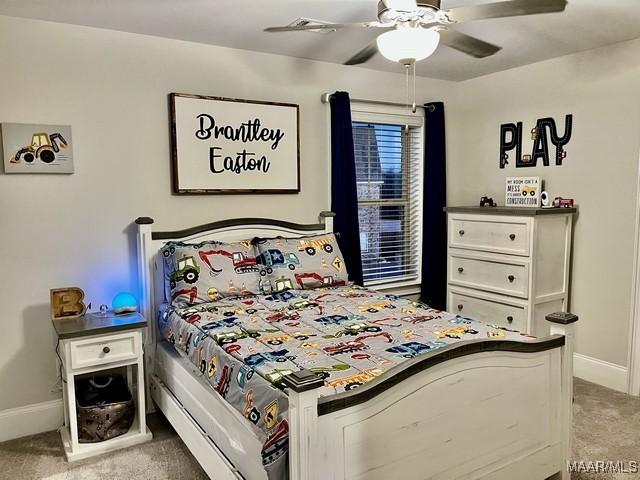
x=105 y=349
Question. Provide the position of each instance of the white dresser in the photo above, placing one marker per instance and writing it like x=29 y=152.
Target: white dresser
x=509 y=266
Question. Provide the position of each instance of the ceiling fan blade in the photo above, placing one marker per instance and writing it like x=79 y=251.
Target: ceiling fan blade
x=363 y=55
x=322 y=26
x=511 y=8
x=466 y=44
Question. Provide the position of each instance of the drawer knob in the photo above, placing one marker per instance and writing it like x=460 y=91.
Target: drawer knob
x=460 y=269
x=460 y=306
x=510 y=319
x=461 y=232
x=512 y=236
x=511 y=278
x=106 y=349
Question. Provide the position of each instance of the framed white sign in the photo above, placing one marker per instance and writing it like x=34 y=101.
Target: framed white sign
x=523 y=192
x=224 y=145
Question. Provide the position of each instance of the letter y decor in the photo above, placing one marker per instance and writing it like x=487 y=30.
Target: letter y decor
x=224 y=145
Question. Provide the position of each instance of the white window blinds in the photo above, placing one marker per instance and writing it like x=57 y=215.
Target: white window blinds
x=389 y=168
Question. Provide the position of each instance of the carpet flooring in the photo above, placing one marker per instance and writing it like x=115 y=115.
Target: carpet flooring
x=606 y=427
x=41 y=457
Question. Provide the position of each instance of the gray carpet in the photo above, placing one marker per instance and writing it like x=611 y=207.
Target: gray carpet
x=606 y=425
x=41 y=457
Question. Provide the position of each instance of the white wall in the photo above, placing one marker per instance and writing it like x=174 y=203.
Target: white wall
x=112 y=88
x=600 y=89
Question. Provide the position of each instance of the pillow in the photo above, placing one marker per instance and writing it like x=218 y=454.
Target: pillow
x=197 y=273
x=302 y=262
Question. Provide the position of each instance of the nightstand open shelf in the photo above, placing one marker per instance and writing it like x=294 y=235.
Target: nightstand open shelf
x=98 y=343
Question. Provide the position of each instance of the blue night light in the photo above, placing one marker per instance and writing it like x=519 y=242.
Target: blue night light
x=124 y=302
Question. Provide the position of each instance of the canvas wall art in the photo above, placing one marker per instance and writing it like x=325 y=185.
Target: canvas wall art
x=36 y=148
x=223 y=145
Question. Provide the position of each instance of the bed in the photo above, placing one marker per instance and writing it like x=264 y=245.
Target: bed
x=482 y=402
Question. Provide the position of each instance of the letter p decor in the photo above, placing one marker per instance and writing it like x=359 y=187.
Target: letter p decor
x=507 y=145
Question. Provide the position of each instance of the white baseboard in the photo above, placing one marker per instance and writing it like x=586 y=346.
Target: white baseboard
x=603 y=373
x=30 y=419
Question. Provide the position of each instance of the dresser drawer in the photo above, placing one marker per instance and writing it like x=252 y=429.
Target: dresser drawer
x=494 y=275
x=102 y=350
x=490 y=235
x=511 y=316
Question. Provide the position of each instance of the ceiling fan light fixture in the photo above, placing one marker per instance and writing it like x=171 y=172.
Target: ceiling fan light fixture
x=408 y=45
x=400 y=5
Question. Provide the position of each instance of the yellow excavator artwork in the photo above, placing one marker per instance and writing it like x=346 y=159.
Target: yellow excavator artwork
x=43 y=146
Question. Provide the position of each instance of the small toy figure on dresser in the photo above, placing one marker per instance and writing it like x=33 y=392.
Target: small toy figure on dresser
x=487 y=202
x=558 y=202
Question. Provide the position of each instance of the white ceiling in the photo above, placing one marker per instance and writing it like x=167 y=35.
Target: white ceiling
x=586 y=24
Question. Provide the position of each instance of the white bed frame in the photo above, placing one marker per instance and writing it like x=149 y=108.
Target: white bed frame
x=485 y=408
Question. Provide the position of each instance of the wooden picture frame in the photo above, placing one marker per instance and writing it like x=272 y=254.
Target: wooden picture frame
x=233 y=146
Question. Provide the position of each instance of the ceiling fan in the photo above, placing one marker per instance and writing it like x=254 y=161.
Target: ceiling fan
x=413 y=29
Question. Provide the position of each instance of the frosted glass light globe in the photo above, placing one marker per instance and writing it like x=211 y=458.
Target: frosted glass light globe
x=408 y=45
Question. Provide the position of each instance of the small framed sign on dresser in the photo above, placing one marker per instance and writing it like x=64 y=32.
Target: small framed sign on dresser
x=523 y=192
x=509 y=266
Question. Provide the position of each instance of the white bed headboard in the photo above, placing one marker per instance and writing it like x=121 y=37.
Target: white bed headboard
x=150 y=267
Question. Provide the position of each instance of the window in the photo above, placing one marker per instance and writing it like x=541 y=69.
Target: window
x=389 y=164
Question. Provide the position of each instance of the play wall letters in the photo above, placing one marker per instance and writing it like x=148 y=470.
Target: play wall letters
x=544 y=133
x=223 y=145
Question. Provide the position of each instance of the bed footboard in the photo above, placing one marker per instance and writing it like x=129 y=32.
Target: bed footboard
x=482 y=409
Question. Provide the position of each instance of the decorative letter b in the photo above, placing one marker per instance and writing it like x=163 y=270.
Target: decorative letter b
x=67 y=303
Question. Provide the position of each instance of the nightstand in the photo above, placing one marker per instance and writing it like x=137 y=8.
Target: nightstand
x=94 y=343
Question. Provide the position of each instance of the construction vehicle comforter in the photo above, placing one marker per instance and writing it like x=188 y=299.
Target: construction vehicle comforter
x=350 y=335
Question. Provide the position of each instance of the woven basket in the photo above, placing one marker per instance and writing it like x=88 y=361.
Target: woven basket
x=105 y=408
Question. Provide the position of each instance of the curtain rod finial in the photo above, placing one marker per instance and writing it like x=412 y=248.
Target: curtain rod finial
x=324 y=98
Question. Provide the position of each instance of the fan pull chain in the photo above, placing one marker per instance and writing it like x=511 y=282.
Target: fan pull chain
x=406 y=69
x=413 y=106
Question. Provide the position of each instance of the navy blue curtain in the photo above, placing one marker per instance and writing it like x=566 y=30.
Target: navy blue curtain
x=434 y=227
x=344 y=194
